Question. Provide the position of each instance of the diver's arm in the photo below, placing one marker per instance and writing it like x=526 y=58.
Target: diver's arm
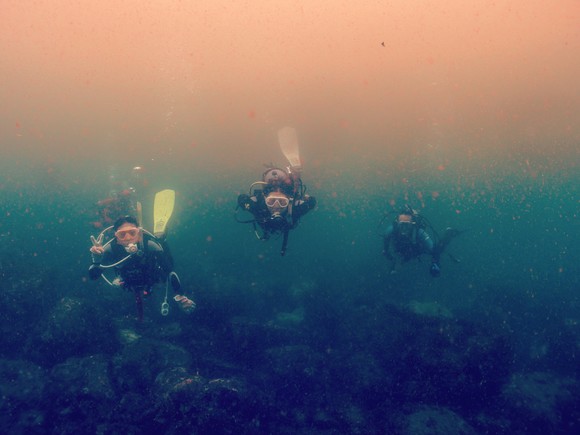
x=256 y=205
x=310 y=201
x=98 y=257
x=303 y=206
x=247 y=202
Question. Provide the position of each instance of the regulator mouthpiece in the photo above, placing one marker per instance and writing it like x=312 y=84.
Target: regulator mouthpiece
x=131 y=248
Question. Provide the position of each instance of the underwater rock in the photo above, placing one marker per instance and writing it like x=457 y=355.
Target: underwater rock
x=432 y=309
x=292 y=319
x=170 y=330
x=285 y=329
x=433 y=420
x=87 y=377
x=65 y=327
x=177 y=384
x=187 y=400
x=170 y=355
x=23 y=296
x=369 y=382
x=72 y=328
x=542 y=402
x=22 y=386
x=430 y=359
x=449 y=365
x=133 y=411
x=250 y=338
x=129 y=330
x=140 y=361
x=80 y=395
x=246 y=335
x=21 y=381
x=134 y=368
x=127 y=336
x=354 y=418
x=295 y=363
x=303 y=289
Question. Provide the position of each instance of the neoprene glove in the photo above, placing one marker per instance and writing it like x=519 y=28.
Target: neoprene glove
x=311 y=201
x=244 y=201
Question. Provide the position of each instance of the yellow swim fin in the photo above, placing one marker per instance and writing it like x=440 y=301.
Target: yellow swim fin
x=162 y=211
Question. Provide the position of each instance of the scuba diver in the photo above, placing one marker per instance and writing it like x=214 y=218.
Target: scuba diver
x=117 y=204
x=282 y=200
x=277 y=207
x=410 y=236
x=121 y=199
x=140 y=259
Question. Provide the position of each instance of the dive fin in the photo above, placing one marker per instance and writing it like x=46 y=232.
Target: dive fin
x=289 y=145
x=162 y=211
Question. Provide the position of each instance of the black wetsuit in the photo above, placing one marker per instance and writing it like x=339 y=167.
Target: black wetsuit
x=412 y=245
x=269 y=224
x=408 y=247
x=149 y=265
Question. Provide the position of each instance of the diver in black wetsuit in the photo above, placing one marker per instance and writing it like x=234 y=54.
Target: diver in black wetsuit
x=410 y=236
x=140 y=261
x=279 y=205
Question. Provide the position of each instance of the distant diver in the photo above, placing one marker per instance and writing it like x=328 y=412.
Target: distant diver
x=279 y=200
x=121 y=200
x=410 y=235
x=139 y=258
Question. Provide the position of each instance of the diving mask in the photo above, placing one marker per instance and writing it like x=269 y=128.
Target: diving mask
x=127 y=234
x=277 y=203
